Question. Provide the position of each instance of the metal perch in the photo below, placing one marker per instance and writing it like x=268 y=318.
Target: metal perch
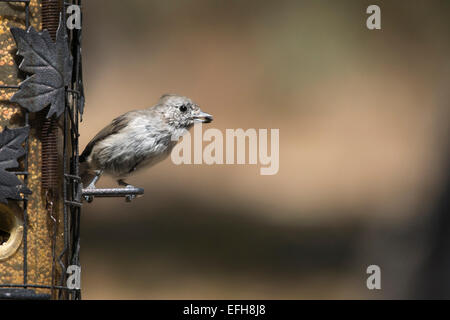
x=129 y=193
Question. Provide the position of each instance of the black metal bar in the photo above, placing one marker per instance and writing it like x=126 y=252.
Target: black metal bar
x=20 y=173
x=73 y=177
x=42 y=286
x=65 y=215
x=25 y=208
x=73 y=124
x=22 y=294
x=76 y=182
x=9 y=87
x=73 y=203
x=25 y=229
x=76 y=92
x=27 y=15
x=25 y=180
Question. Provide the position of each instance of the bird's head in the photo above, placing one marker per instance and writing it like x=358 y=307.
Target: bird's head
x=181 y=112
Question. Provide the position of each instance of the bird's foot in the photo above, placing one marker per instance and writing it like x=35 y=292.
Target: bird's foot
x=129 y=197
x=91 y=185
x=124 y=184
x=89 y=199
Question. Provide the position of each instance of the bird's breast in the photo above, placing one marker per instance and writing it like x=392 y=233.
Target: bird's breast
x=138 y=145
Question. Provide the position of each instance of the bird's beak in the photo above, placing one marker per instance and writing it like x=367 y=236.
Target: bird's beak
x=203 y=117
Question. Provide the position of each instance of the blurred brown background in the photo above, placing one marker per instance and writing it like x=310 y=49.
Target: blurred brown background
x=363 y=119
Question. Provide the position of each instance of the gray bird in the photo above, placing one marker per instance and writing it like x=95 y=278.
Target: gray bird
x=139 y=139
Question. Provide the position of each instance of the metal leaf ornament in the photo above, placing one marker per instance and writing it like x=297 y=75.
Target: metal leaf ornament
x=10 y=150
x=51 y=65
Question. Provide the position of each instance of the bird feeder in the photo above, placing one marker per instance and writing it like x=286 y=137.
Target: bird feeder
x=41 y=194
x=41 y=102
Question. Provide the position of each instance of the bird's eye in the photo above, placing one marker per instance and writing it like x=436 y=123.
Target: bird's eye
x=183 y=108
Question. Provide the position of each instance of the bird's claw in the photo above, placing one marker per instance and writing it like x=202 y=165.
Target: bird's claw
x=129 y=197
x=89 y=199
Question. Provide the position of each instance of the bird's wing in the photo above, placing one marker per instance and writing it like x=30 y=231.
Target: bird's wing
x=114 y=127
